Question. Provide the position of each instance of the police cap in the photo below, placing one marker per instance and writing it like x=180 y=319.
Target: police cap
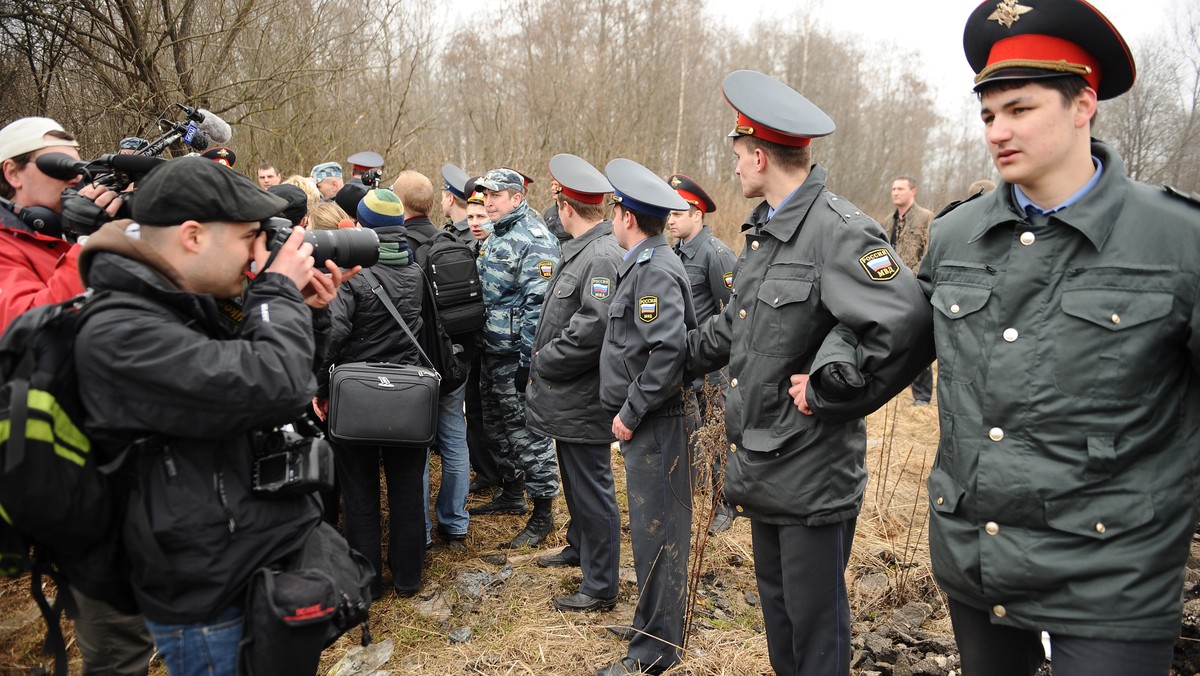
x=454 y=181
x=772 y=111
x=198 y=189
x=501 y=179
x=638 y=189
x=1038 y=39
x=579 y=180
x=220 y=155
x=692 y=193
x=364 y=161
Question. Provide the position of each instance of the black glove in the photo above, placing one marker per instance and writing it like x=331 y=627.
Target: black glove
x=839 y=381
x=521 y=379
x=80 y=215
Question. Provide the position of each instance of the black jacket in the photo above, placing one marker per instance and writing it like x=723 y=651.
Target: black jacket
x=194 y=532
x=362 y=328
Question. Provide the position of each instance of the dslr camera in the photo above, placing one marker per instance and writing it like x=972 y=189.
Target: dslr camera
x=346 y=248
x=287 y=464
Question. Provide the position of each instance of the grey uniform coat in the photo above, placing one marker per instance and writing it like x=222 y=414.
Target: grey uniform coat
x=641 y=365
x=817 y=262
x=709 y=265
x=562 y=400
x=1063 y=497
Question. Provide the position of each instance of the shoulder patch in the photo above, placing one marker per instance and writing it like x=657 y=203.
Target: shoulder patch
x=879 y=265
x=1194 y=198
x=728 y=279
x=600 y=287
x=546 y=268
x=645 y=255
x=537 y=232
x=648 y=308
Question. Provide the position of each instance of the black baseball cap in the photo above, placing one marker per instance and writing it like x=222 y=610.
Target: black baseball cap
x=198 y=189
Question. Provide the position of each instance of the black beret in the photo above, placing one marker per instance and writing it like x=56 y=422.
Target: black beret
x=349 y=196
x=198 y=189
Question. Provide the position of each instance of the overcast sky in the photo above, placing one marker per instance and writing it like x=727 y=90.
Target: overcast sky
x=933 y=27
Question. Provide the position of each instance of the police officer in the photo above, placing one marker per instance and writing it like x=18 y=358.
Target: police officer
x=641 y=383
x=514 y=270
x=811 y=260
x=454 y=200
x=1068 y=340
x=564 y=383
x=709 y=264
x=221 y=155
x=366 y=164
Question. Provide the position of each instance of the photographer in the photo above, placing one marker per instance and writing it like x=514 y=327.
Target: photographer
x=193 y=389
x=37 y=262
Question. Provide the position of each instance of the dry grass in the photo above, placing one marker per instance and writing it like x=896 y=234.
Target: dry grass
x=515 y=630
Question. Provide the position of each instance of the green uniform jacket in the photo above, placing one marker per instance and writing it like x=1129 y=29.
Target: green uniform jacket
x=817 y=262
x=1063 y=496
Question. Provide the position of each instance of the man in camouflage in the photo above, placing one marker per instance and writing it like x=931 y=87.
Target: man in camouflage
x=514 y=270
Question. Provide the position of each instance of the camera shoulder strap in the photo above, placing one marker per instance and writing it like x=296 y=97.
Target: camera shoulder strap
x=377 y=289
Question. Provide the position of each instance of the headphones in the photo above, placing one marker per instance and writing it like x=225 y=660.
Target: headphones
x=39 y=219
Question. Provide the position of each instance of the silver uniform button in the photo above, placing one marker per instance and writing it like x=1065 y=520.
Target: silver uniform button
x=1116 y=318
x=1027 y=238
x=995 y=434
x=954 y=309
x=733 y=383
x=992 y=528
x=999 y=611
x=1010 y=335
x=742 y=314
x=754 y=245
x=1100 y=527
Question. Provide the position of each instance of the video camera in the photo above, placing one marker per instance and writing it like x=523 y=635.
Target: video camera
x=346 y=248
x=371 y=178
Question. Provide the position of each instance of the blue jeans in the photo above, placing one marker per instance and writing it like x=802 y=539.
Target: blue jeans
x=451 y=505
x=200 y=649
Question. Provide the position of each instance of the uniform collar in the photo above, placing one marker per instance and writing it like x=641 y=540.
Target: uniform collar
x=692 y=247
x=786 y=220
x=1093 y=214
x=573 y=246
x=635 y=254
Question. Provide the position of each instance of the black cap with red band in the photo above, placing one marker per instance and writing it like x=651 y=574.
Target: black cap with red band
x=1039 y=39
x=692 y=193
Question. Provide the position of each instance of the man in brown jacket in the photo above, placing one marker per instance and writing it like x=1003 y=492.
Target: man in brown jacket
x=908 y=231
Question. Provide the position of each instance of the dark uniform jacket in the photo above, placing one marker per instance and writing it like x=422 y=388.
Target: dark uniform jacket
x=183 y=375
x=362 y=327
x=817 y=262
x=641 y=364
x=1063 y=496
x=709 y=265
x=563 y=398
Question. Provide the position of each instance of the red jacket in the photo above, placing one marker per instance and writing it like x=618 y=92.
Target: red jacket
x=34 y=269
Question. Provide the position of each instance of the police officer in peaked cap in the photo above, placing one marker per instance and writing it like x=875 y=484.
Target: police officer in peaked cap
x=641 y=384
x=454 y=200
x=362 y=163
x=795 y=462
x=563 y=396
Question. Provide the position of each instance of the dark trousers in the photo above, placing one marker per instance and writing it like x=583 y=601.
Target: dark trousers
x=922 y=387
x=802 y=584
x=990 y=649
x=659 y=484
x=594 y=534
x=110 y=641
x=482 y=446
x=358 y=473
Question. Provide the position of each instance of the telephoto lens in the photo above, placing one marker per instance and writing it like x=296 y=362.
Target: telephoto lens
x=347 y=248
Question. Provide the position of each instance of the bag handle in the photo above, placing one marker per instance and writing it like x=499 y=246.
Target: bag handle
x=377 y=289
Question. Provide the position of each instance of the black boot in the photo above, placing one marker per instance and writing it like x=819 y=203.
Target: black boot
x=511 y=500
x=541 y=522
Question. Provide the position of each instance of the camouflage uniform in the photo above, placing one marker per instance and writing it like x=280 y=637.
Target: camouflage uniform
x=514 y=269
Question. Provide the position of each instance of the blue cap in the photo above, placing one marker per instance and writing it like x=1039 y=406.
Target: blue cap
x=454 y=180
x=326 y=170
x=638 y=189
x=501 y=179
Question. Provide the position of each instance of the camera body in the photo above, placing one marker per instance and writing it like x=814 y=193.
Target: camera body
x=371 y=178
x=287 y=464
x=346 y=248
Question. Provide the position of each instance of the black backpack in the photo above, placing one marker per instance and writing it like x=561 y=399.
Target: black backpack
x=449 y=265
x=55 y=500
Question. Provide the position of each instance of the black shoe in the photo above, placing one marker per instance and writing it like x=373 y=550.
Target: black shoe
x=556 y=561
x=405 y=593
x=510 y=501
x=540 y=523
x=627 y=666
x=721 y=522
x=622 y=632
x=580 y=602
x=456 y=544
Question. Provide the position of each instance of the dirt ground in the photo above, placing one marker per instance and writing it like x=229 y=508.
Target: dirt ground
x=513 y=629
